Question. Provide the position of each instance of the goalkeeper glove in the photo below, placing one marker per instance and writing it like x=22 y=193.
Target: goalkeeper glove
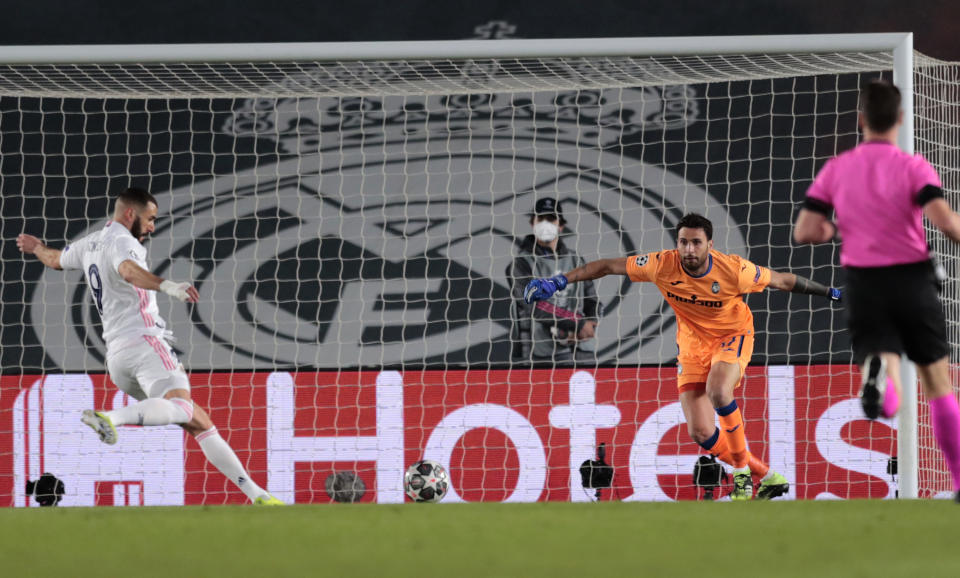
x=175 y=290
x=540 y=289
x=834 y=294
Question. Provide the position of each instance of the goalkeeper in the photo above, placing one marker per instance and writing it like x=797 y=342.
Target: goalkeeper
x=715 y=335
x=139 y=359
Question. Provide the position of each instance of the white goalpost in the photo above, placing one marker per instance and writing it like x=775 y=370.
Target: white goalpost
x=350 y=213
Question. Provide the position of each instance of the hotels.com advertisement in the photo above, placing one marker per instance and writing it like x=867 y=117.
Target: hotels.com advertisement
x=505 y=435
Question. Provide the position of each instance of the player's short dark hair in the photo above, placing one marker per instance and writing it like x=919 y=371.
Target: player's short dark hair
x=137 y=197
x=695 y=221
x=880 y=105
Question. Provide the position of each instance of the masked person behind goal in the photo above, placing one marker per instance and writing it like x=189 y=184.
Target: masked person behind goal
x=715 y=335
x=560 y=329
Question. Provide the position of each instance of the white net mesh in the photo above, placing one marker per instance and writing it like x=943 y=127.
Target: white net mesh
x=937 y=134
x=411 y=78
x=351 y=228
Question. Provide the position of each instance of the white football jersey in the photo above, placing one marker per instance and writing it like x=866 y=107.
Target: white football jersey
x=126 y=311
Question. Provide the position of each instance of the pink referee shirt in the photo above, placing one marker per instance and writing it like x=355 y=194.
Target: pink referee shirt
x=878 y=193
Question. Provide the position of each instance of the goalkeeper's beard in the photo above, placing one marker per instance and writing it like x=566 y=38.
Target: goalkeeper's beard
x=692 y=264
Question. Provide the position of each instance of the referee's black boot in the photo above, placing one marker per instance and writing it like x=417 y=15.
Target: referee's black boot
x=874 y=384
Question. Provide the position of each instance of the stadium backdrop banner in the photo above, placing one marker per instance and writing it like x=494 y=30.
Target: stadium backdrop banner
x=507 y=435
x=301 y=258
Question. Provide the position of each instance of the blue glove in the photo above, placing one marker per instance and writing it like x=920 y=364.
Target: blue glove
x=834 y=294
x=540 y=289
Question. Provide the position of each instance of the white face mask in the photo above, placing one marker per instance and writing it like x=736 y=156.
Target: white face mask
x=545 y=231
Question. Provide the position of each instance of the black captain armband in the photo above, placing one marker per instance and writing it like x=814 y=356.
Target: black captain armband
x=818 y=206
x=808 y=287
x=929 y=193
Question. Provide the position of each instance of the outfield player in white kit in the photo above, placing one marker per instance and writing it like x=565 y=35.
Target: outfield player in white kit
x=139 y=360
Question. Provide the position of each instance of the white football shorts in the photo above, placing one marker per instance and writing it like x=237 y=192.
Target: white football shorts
x=146 y=367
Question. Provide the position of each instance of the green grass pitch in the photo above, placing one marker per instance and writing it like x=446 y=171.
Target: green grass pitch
x=764 y=539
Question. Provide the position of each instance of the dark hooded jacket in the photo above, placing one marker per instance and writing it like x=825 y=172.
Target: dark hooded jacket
x=541 y=328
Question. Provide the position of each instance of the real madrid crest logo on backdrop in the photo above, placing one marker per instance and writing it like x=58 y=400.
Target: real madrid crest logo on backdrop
x=335 y=243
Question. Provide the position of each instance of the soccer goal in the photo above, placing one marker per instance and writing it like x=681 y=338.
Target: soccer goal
x=350 y=214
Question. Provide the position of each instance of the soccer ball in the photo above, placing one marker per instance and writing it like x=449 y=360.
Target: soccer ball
x=426 y=481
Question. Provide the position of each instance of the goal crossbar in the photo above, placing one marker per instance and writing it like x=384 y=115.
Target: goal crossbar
x=418 y=68
x=454 y=50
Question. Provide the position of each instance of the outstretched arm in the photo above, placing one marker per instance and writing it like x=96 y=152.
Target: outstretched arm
x=33 y=246
x=540 y=289
x=140 y=277
x=794 y=284
x=548 y=315
x=598 y=269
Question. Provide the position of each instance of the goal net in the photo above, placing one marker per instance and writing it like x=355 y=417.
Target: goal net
x=352 y=216
x=936 y=132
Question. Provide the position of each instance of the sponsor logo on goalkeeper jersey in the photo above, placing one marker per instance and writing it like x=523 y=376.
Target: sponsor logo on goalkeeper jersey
x=694 y=300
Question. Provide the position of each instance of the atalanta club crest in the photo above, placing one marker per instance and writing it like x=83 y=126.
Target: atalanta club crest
x=715 y=288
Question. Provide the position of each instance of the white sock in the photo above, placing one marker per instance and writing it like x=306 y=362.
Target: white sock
x=741 y=471
x=220 y=454
x=153 y=411
x=768 y=475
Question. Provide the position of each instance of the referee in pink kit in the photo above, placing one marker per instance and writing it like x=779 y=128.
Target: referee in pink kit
x=880 y=195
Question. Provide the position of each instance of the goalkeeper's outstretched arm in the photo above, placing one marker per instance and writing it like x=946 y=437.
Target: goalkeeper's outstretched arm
x=597 y=269
x=522 y=275
x=540 y=289
x=796 y=284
